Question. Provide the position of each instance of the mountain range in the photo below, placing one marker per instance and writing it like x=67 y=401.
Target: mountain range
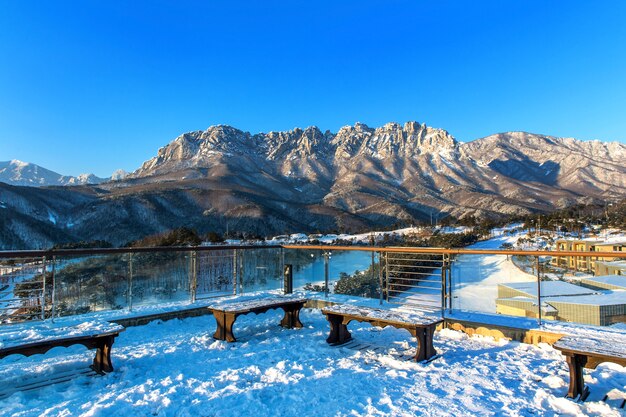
x=16 y=172
x=308 y=180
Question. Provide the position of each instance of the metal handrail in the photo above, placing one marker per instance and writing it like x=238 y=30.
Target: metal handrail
x=383 y=249
x=452 y=251
x=111 y=251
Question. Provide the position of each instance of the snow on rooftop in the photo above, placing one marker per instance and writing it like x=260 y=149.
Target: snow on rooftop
x=606 y=298
x=613 y=240
x=544 y=306
x=613 y=263
x=550 y=288
x=617 y=280
x=175 y=368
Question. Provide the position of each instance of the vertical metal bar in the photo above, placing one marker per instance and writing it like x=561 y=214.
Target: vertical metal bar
x=43 y=290
x=443 y=282
x=372 y=276
x=190 y=276
x=538 y=291
x=242 y=270
x=129 y=294
x=234 y=271
x=326 y=256
x=387 y=273
x=449 y=285
x=54 y=287
x=380 y=278
x=281 y=254
x=194 y=275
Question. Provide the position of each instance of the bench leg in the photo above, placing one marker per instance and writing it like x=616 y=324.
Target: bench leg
x=224 y=329
x=292 y=317
x=424 y=336
x=339 y=333
x=102 y=361
x=576 y=381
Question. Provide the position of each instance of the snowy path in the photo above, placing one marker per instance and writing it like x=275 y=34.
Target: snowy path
x=176 y=369
x=475 y=278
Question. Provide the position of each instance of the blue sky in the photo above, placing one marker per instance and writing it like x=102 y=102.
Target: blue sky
x=100 y=85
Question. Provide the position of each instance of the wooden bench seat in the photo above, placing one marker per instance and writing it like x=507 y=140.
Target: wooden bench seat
x=39 y=337
x=421 y=326
x=226 y=313
x=584 y=352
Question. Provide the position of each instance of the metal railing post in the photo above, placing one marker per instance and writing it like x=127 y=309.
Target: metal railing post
x=194 y=275
x=54 y=287
x=387 y=274
x=234 y=271
x=444 y=267
x=449 y=285
x=326 y=259
x=281 y=254
x=43 y=290
x=242 y=270
x=538 y=290
x=372 y=276
x=129 y=293
x=380 y=278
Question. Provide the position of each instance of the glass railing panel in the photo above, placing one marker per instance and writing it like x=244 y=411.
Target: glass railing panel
x=215 y=273
x=161 y=277
x=84 y=284
x=489 y=283
x=23 y=293
x=354 y=273
x=307 y=267
x=260 y=269
x=575 y=294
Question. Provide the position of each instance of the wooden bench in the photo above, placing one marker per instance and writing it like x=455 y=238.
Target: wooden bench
x=584 y=352
x=421 y=326
x=226 y=313
x=39 y=337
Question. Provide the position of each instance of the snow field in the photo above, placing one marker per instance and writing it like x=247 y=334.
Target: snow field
x=176 y=368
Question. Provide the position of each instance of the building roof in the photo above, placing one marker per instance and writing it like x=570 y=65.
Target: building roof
x=550 y=288
x=607 y=298
x=615 y=241
x=621 y=263
x=616 y=280
x=545 y=307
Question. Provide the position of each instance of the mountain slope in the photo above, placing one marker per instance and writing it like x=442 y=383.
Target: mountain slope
x=309 y=180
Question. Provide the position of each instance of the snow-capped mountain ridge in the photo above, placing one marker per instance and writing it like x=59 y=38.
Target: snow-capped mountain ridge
x=204 y=149
x=308 y=180
x=413 y=155
x=16 y=172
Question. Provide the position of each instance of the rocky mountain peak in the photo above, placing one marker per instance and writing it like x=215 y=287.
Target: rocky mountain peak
x=203 y=149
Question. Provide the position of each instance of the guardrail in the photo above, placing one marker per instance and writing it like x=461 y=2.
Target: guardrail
x=45 y=284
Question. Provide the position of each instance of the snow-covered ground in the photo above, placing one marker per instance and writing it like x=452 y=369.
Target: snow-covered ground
x=175 y=368
x=475 y=278
x=355 y=238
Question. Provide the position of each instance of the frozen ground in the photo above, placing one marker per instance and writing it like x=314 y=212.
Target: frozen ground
x=175 y=368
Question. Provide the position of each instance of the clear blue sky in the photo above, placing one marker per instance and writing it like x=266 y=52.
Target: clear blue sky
x=92 y=86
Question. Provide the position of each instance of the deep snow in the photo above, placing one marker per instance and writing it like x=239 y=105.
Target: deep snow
x=175 y=368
